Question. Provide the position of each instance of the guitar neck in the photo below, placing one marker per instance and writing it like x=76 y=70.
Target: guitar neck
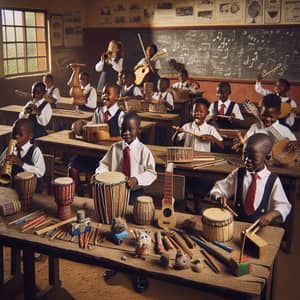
x=168 y=189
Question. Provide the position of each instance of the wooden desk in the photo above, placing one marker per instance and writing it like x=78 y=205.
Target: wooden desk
x=250 y=286
x=5 y=136
x=61 y=118
x=290 y=177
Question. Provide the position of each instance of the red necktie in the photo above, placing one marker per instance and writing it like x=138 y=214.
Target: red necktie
x=126 y=161
x=249 y=202
x=19 y=149
x=222 y=109
x=106 y=116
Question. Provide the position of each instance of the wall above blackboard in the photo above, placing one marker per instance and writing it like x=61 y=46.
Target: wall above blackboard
x=222 y=53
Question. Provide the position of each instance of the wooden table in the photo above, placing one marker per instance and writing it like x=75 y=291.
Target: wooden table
x=250 y=286
x=61 y=118
x=5 y=136
x=290 y=177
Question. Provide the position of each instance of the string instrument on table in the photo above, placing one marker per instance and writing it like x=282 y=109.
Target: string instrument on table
x=5 y=175
x=75 y=89
x=166 y=218
x=142 y=71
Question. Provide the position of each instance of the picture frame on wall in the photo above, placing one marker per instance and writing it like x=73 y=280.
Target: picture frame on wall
x=56 y=31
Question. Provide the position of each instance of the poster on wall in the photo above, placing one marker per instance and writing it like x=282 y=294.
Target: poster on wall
x=230 y=11
x=72 y=29
x=120 y=12
x=164 y=12
x=272 y=11
x=56 y=31
x=254 y=12
x=106 y=14
x=135 y=12
x=292 y=11
x=205 y=13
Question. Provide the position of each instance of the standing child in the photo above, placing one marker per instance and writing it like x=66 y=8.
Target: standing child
x=89 y=93
x=163 y=96
x=53 y=93
x=257 y=193
x=129 y=89
x=131 y=157
x=38 y=110
x=224 y=107
x=26 y=157
x=111 y=114
x=282 y=87
x=110 y=64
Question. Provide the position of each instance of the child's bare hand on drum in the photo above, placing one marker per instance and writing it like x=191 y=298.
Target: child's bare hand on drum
x=132 y=182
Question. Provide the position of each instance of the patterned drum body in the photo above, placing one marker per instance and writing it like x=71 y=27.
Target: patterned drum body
x=143 y=210
x=157 y=108
x=25 y=185
x=135 y=105
x=180 y=154
x=96 y=132
x=217 y=224
x=64 y=192
x=111 y=196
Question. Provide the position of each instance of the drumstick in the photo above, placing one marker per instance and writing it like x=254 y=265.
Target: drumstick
x=243 y=246
x=55 y=235
x=159 y=247
x=182 y=244
x=98 y=230
x=211 y=260
x=272 y=70
x=44 y=230
x=187 y=132
x=231 y=210
x=167 y=243
x=191 y=244
x=22 y=219
x=253 y=225
x=34 y=223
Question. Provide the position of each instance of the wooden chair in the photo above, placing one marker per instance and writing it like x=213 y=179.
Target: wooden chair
x=156 y=189
x=49 y=174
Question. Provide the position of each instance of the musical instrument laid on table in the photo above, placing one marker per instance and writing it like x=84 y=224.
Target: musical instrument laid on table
x=77 y=127
x=281 y=154
x=75 y=89
x=180 y=154
x=167 y=219
x=111 y=196
x=143 y=210
x=217 y=224
x=157 y=108
x=9 y=202
x=64 y=192
x=142 y=71
x=25 y=185
x=95 y=132
x=5 y=176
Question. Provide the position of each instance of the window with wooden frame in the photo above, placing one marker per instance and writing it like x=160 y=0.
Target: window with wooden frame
x=24 y=42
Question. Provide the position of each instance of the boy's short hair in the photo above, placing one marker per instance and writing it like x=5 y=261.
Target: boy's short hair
x=39 y=86
x=49 y=76
x=27 y=123
x=285 y=82
x=132 y=115
x=165 y=80
x=113 y=86
x=202 y=101
x=272 y=101
x=85 y=74
x=224 y=84
x=183 y=72
x=260 y=138
x=130 y=73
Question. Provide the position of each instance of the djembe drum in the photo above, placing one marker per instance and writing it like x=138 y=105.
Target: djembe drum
x=64 y=192
x=143 y=210
x=111 y=196
x=95 y=132
x=25 y=185
x=180 y=154
x=217 y=224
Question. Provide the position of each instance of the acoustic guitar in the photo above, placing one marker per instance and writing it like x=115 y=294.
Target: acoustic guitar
x=166 y=218
x=142 y=71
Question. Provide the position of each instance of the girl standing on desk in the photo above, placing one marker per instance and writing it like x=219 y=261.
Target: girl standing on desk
x=153 y=75
x=110 y=64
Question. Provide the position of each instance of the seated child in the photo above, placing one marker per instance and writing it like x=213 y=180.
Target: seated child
x=38 y=110
x=131 y=157
x=207 y=133
x=89 y=93
x=129 y=89
x=257 y=193
x=26 y=157
x=184 y=83
x=269 y=122
x=53 y=93
x=224 y=107
x=163 y=96
x=109 y=113
x=282 y=87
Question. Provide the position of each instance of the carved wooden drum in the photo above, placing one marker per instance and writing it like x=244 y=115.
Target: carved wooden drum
x=143 y=210
x=111 y=196
x=180 y=154
x=217 y=224
x=25 y=185
x=64 y=192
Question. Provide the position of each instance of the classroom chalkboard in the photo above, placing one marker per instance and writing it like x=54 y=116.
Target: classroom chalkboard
x=222 y=53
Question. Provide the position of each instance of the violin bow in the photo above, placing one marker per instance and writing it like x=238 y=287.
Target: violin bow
x=144 y=51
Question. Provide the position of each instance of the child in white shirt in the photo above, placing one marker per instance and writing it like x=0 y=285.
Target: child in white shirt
x=89 y=93
x=163 y=96
x=53 y=93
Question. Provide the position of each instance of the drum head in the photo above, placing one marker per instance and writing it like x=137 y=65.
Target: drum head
x=110 y=177
x=217 y=214
x=24 y=175
x=63 y=180
x=100 y=126
x=144 y=199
